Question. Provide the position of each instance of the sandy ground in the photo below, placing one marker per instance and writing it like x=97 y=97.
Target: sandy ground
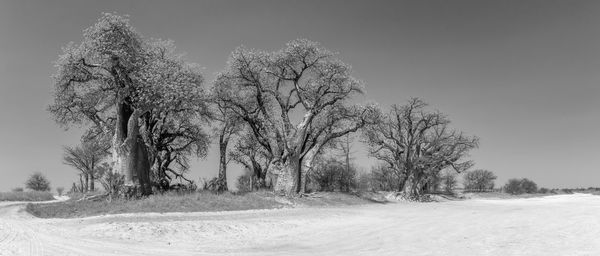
x=554 y=225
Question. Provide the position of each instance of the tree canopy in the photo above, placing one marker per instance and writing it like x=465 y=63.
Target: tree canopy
x=417 y=144
x=294 y=101
x=137 y=91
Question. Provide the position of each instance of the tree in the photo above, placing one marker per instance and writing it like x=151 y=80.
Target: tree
x=38 y=182
x=513 y=186
x=254 y=158
x=449 y=182
x=348 y=178
x=479 y=180
x=230 y=124
x=294 y=101
x=137 y=91
x=59 y=190
x=417 y=144
x=86 y=159
x=520 y=186
x=330 y=174
x=528 y=186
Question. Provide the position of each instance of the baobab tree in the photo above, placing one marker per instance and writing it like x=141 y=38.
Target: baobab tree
x=294 y=101
x=118 y=82
x=86 y=159
x=417 y=144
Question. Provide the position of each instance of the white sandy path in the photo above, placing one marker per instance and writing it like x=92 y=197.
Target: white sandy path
x=554 y=225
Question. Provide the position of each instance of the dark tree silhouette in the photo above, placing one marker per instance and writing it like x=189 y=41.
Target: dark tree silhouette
x=38 y=182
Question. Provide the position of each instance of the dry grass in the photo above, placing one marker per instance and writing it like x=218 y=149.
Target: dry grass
x=26 y=196
x=195 y=202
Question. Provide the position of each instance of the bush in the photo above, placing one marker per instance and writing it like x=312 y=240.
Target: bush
x=26 y=196
x=520 y=186
x=479 y=180
x=244 y=182
x=38 y=182
x=513 y=186
x=19 y=189
x=528 y=186
x=385 y=178
x=544 y=190
x=331 y=175
x=111 y=181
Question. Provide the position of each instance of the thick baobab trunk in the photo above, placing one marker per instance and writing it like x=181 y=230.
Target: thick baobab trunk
x=288 y=176
x=412 y=186
x=130 y=154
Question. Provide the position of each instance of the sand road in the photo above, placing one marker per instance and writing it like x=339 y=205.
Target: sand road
x=554 y=225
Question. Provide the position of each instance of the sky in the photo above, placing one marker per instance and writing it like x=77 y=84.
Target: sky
x=522 y=75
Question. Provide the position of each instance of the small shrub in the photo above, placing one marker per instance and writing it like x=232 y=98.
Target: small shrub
x=244 y=182
x=544 y=190
x=38 y=182
x=19 y=189
x=111 y=181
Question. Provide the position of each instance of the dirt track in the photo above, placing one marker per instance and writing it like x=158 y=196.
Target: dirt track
x=556 y=225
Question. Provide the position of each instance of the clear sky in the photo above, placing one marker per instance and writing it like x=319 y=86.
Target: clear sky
x=522 y=75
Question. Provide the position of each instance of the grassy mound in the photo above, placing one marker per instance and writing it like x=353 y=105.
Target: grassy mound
x=26 y=196
x=194 y=202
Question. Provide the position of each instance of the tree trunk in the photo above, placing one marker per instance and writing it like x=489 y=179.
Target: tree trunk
x=92 y=176
x=288 y=176
x=306 y=167
x=92 y=181
x=129 y=152
x=81 y=185
x=412 y=186
x=222 y=178
x=87 y=182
